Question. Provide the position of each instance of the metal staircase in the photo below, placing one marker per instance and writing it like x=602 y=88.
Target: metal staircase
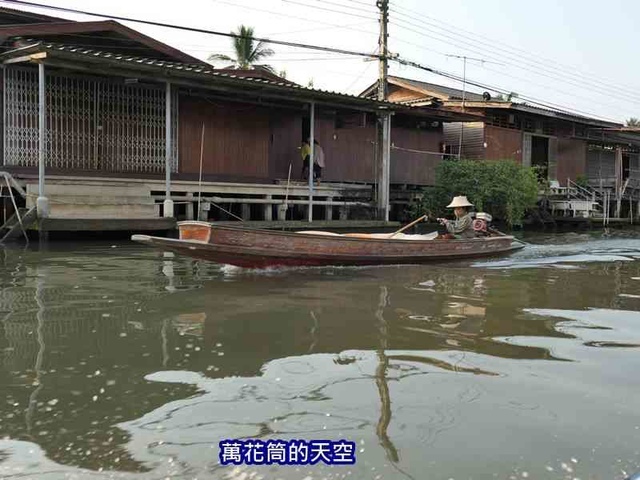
x=577 y=200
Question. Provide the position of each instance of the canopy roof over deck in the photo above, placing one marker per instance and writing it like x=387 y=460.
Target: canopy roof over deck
x=201 y=76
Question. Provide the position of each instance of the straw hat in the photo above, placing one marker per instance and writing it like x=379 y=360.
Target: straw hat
x=460 y=202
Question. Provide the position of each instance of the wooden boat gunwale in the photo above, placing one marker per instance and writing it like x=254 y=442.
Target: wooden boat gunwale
x=280 y=233
x=265 y=248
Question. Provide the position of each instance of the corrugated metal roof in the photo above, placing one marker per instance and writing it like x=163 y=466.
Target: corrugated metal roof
x=172 y=66
x=525 y=107
x=65 y=51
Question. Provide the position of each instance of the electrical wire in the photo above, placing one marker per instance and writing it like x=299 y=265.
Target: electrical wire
x=468 y=81
x=189 y=29
x=292 y=44
x=280 y=14
x=493 y=46
x=416 y=15
x=537 y=71
x=329 y=9
x=342 y=5
x=306 y=30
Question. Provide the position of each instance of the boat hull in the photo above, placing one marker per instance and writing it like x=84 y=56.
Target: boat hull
x=254 y=248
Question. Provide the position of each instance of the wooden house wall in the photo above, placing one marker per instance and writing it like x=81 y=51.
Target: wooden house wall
x=349 y=151
x=284 y=144
x=236 y=140
x=415 y=168
x=503 y=143
x=254 y=143
x=571 y=159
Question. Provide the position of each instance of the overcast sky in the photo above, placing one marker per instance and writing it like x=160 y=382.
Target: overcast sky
x=576 y=54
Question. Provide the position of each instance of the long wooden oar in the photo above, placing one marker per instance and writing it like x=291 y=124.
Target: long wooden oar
x=417 y=220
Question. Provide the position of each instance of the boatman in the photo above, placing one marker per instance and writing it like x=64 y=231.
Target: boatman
x=462 y=226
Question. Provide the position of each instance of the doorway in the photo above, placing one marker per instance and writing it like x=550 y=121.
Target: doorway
x=540 y=156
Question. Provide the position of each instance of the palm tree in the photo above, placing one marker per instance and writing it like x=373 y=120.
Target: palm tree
x=633 y=122
x=248 y=53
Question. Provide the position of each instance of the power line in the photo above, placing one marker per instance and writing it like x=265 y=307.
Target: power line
x=348 y=27
x=532 y=100
x=362 y=3
x=414 y=14
x=537 y=71
x=342 y=5
x=359 y=77
x=476 y=39
x=276 y=42
x=328 y=9
x=548 y=88
x=190 y=29
x=280 y=14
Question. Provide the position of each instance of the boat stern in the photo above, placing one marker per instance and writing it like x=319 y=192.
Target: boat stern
x=194 y=230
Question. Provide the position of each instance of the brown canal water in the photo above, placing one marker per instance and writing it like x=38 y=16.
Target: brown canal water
x=122 y=362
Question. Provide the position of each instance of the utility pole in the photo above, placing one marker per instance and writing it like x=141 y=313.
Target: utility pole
x=383 y=131
x=383 y=63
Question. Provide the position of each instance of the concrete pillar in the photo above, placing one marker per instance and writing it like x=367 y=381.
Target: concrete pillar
x=282 y=212
x=268 y=209
x=203 y=212
x=42 y=203
x=384 y=163
x=328 y=211
x=189 y=210
x=344 y=212
x=168 y=203
x=312 y=128
x=246 y=211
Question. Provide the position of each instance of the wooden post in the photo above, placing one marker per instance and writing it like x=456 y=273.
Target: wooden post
x=268 y=209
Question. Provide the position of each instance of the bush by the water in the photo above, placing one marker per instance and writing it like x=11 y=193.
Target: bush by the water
x=502 y=188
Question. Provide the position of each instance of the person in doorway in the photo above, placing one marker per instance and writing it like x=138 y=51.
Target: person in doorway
x=305 y=153
x=318 y=161
x=462 y=226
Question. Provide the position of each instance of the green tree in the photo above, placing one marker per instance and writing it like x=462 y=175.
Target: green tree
x=633 y=122
x=248 y=52
x=502 y=188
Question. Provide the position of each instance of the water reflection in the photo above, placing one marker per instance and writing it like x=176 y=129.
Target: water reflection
x=130 y=361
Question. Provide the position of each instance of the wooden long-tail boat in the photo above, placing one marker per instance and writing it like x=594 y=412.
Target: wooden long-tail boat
x=257 y=248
